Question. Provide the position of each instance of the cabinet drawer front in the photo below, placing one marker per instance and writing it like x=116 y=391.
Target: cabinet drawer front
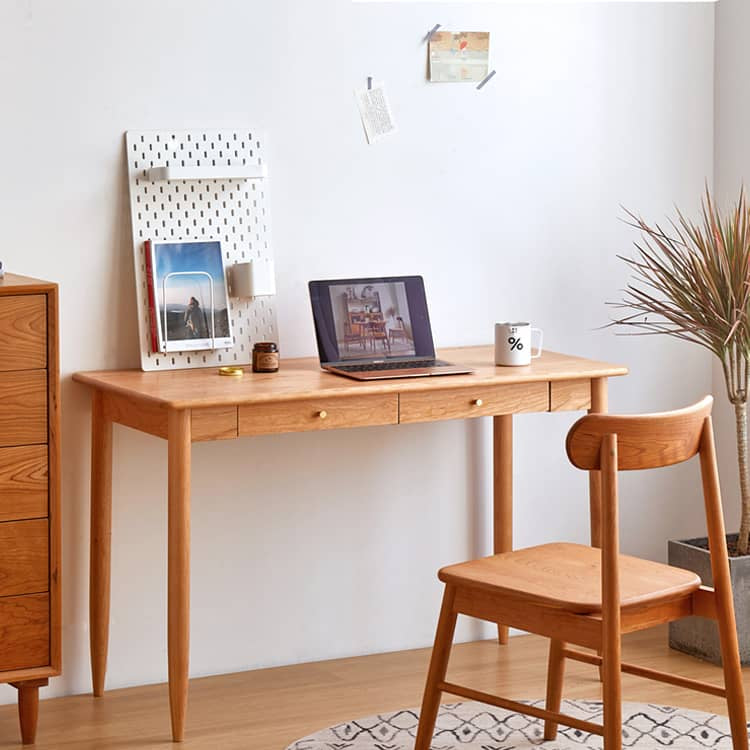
x=570 y=395
x=23 y=482
x=24 y=632
x=24 y=557
x=23 y=332
x=426 y=406
x=318 y=414
x=23 y=407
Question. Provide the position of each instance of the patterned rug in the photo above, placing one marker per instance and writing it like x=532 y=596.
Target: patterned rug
x=476 y=726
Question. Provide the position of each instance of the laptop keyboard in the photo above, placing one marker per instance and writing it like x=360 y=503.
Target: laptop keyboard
x=393 y=365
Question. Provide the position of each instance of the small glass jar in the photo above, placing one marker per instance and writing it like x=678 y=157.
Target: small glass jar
x=265 y=357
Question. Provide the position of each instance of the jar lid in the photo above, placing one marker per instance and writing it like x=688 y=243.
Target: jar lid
x=265 y=346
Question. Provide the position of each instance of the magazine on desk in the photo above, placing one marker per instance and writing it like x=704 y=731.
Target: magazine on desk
x=188 y=296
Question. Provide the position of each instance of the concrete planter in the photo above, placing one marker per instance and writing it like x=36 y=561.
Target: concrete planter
x=699 y=636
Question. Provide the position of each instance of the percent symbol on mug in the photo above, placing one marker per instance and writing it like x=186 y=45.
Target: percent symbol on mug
x=515 y=344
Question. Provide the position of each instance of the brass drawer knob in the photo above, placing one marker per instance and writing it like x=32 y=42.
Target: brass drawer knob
x=322 y=414
x=477 y=402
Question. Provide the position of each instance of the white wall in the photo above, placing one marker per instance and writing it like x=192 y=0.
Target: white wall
x=507 y=200
x=732 y=169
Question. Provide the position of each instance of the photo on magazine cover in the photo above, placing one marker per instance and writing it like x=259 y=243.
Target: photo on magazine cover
x=191 y=294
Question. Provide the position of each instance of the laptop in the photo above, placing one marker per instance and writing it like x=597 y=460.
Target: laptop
x=377 y=328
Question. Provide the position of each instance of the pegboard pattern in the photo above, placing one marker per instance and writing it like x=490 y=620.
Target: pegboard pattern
x=231 y=210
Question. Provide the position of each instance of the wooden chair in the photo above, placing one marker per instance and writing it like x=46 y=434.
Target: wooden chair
x=580 y=595
x=376 y=331
x=353 y=334
x=398 y=333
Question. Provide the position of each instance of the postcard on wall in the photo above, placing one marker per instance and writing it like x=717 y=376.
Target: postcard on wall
x=459 y=56
x=188 y=295
x=375 y=112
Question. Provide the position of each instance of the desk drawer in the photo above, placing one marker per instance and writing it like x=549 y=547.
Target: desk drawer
x=24 y=558
x=479 y=401
x=23 y=407
x=24 y=632
x=570 y=395
x=23 y=482
x=23 y=332
x=318 y=414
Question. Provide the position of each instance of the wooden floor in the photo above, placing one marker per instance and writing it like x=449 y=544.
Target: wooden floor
x=268 y=709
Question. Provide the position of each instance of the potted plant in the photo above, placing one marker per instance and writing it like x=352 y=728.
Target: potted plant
x=692 y=281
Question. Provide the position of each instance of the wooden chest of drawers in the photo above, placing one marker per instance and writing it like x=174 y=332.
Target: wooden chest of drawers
x=30 y=627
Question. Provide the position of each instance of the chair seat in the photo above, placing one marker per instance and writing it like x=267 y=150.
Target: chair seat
x=568 y=576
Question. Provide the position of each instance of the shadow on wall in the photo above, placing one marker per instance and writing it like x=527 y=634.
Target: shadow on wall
x=123 y=349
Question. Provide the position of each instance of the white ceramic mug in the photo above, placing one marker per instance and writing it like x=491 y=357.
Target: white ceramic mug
x=513 y=344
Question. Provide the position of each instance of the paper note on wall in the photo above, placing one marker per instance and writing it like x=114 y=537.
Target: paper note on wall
x=375 y=112
x=459 y=56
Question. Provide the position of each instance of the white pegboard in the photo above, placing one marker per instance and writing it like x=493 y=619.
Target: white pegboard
x=231 y=210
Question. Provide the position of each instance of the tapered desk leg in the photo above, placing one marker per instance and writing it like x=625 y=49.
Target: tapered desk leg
x=502 y=432
x=598 y=404
x=101 y=541
x=178 y=616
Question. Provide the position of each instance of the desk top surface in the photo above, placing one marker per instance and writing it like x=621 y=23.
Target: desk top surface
x=303 y=378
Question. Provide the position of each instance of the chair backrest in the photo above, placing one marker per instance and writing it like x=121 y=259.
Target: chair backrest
x=644 y=441
x=606 y=444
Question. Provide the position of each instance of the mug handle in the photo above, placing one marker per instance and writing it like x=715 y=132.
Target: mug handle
x=541 y=337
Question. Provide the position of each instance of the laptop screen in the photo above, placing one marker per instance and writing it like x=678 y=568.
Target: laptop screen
x=371 y=319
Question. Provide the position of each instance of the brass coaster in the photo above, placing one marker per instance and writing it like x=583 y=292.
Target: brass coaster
x=234 y=372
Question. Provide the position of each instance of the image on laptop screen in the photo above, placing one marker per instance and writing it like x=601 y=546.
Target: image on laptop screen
x=374 y=318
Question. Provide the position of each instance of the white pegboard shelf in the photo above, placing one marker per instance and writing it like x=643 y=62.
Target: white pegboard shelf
x=221 y=199
x=229 y=172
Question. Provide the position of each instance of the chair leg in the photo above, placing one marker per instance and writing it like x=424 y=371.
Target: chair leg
x=438 y=667
x=730 y=659
x=612 y=692
x=555 y=673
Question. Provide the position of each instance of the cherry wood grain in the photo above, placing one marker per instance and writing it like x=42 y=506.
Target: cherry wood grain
x=214 y=423
x=23 y=407
x=569 y=576
x=318 y=414
x=717 y=543
x=569 y=395
x=144 y=416
x=24 y=632
x=466 y=403
x=591 y=597
x=24 y=557
x=23 y=482
x=54 y=454
x=644 y=441
x=437 y=671
x=301 y=378
x=599 y=404
x=178 y=569
x=23 y=332
x=30 y=553
x=555 y=676
x=201 y=405
x=28 y=708
x=13 y=283
x=100 y=541
x=329 y=692
x=615 y=585
x=502 y=493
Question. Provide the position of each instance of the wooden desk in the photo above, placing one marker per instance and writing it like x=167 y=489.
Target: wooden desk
x=192 y=405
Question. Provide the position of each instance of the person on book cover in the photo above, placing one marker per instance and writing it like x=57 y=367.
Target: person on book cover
x=195 y=321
